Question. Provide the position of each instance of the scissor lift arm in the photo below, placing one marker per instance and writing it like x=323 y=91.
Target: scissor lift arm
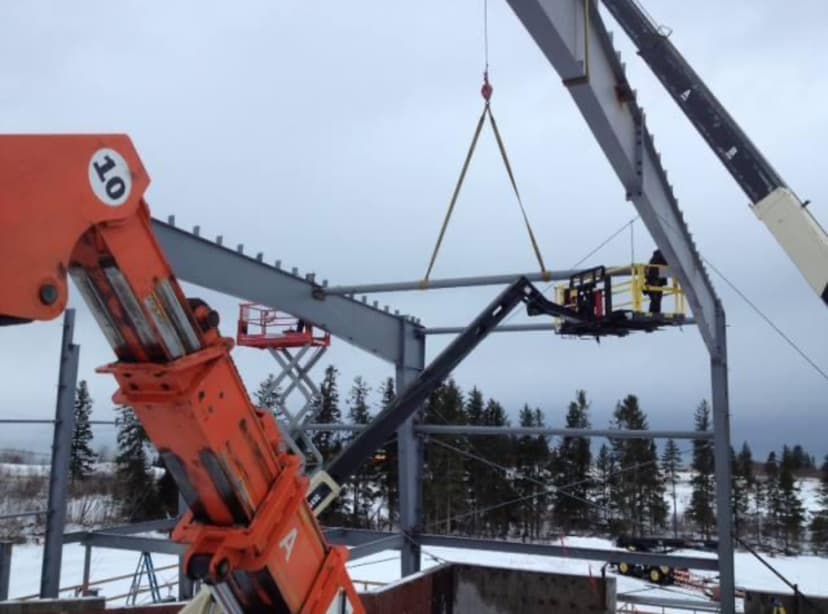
x=788 y=218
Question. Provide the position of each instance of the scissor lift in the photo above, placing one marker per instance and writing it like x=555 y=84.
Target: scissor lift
x=297 y=346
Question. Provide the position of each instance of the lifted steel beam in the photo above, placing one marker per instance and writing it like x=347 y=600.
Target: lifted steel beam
x=450 y=282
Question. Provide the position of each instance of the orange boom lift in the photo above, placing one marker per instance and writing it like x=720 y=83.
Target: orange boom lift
x=73 y=205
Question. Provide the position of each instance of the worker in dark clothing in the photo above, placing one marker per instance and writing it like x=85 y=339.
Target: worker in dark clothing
x=655 y=278
x=300 y=326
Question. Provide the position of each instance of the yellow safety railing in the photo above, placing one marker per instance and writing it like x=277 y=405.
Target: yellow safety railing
x=631 y=291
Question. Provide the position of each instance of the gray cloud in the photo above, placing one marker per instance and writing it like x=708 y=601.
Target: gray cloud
x=329 y=135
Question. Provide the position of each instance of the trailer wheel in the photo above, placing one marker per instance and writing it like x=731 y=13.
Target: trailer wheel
x=624 y=568
x=656 y=575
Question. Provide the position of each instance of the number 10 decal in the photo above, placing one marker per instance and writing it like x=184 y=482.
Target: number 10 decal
x=109 y=177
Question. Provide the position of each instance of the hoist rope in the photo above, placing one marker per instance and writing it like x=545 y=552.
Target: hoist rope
x=455 y=195
x=486 y=92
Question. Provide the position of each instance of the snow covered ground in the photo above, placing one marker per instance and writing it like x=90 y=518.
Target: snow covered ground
x=808 y=571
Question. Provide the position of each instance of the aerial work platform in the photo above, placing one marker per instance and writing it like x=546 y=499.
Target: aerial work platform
x=617 y=301
x=297 y=346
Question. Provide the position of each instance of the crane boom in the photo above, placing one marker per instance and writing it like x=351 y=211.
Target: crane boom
x=73 y=205
x=788 y=219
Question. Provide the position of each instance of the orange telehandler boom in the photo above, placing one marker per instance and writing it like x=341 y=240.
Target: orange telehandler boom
x=73 y=206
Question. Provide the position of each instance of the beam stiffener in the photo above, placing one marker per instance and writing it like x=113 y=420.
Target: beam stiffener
x=210 y=265
x=572 y=36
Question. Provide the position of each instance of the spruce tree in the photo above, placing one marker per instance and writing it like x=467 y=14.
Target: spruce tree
x=603 y=491
x=136 y=489
x=81 y=455
x=671 y=465
x=445 y=494
x=700 y=510
x=267 y=395
x=499 y=451
x=327 y=412
x=329 y=443
x=571 y=505
x=388 y=468
x=819 y=522
x=478 y=473
x=364 y=481
x=638 y=486
x=533 y=461
x=744 y=472
x=773 y=498
x=740 y=495
x=792 y=513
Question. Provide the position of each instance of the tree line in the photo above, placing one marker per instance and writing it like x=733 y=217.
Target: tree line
x=529 y=487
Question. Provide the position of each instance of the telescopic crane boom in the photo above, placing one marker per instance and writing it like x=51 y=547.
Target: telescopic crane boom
x=73 y=206
x=788 y=218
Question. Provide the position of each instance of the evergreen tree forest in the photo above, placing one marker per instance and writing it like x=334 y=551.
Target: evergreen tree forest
x=81 y=456
x=525 y=486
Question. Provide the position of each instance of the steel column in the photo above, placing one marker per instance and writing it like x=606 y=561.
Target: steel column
x=577 y=44
x=61 y=451
x=410 y=462
x=185 y=585
x=721 y=454
x=5 y=569
x=87 y=569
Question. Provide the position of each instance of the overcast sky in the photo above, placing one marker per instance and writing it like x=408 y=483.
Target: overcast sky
x=330 y=135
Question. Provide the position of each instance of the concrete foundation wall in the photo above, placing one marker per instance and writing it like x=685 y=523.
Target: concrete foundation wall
x=473 y=589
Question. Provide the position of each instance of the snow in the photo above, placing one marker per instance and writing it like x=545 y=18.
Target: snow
x=384 y=567
x=105 y=563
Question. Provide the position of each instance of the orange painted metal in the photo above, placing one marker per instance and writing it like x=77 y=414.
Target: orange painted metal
x=248 y=515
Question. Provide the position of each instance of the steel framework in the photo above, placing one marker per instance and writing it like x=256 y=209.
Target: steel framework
x=572 y=36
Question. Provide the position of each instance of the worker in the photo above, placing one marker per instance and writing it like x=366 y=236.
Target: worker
x=655 y=279
x=300 y=326
x=778 y=608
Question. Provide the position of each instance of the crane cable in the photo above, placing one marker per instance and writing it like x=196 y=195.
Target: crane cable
x=485 y=91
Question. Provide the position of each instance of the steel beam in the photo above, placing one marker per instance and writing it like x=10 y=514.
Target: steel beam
x=364 y=542
x=590 y=554
x=722 y=464
x=577 y=44
x=451 y=282
x=509 y=431
x=549 y=327
x=410 y=460
x=231 y=272
x=137 y=543
x=5 y=568
x=61 y=452
x=693 y=605
x=479 y=431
